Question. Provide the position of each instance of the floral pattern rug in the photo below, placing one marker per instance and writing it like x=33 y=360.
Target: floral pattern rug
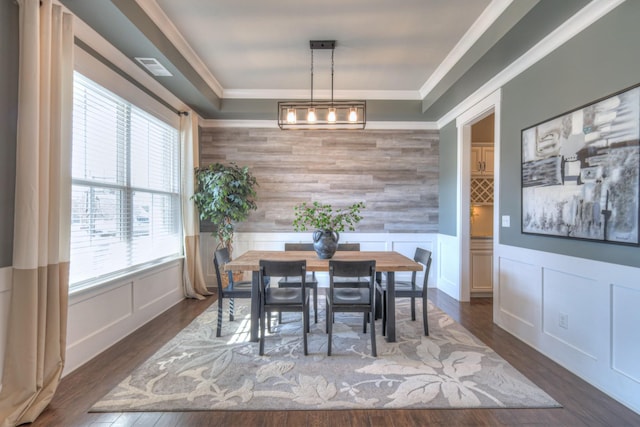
x=448 y=369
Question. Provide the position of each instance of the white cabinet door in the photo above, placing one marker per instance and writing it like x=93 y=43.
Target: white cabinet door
x=482 y=159
x=487 y=158
x=476 y=160
x=481 y=265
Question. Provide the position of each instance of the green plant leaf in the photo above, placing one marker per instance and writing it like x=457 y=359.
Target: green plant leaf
x=226 y=195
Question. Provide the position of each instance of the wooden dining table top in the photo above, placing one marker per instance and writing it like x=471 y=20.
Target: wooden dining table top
x=385 y=260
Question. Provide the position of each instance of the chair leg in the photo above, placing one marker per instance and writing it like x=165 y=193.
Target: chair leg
x=425 y=319
x=329 y=329
x=219 y=329
x=413 y=308
x=231 y=309
x=384 y=313
x=365 y=319
x=374 y=352
x=262 y=321
x=315 y=304
x=305 y=329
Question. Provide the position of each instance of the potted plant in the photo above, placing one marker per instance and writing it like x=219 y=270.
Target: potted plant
x=327 y=222
x=225 y=196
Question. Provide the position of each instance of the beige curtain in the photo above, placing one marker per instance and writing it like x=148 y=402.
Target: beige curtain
x=38 y=313
x=193 y=279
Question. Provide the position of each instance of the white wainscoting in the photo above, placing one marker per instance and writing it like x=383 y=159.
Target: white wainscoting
x=100 y=317
x=448 y=266
x=6 y=274
x=405 y=243
x=583 y=314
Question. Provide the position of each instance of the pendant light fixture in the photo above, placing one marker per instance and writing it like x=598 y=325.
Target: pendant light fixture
x=314 y=114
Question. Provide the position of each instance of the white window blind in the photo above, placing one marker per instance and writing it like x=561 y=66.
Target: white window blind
x=126 y=188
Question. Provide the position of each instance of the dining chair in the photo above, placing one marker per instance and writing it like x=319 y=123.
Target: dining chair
x=294 y=282
x=351 y=299
x=230 y=291
x=289 y=299
x=348 y=282
x=410 y=289
x=348 y=246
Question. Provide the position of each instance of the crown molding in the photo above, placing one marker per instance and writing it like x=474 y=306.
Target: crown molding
x=479 y=27
x=273 y=124
x=168 y=28
x=570 y=28
x=396 y=95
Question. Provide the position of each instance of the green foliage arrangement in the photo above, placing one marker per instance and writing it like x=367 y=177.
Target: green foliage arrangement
x=319 y=216
x=226 y=195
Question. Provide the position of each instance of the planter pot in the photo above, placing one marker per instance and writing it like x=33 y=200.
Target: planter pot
x=325 y=243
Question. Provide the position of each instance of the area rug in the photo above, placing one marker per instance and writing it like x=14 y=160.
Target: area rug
x=448 y=369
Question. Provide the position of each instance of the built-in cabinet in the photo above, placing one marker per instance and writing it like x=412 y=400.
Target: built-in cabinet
x=481 y=264
x=482 y=159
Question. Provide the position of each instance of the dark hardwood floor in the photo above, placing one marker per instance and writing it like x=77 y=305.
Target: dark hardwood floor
x=583 y=405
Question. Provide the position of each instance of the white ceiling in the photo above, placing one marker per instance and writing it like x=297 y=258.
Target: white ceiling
x=389 y=49
x=412 y=60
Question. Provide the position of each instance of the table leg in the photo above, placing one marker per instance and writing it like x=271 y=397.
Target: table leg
x=255 y=304
x=391 y=307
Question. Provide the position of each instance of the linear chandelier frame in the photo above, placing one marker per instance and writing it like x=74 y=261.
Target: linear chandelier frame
x=324 y=114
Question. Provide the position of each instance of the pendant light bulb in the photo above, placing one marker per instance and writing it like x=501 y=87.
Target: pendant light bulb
x=331 y=116
x=353 y=115
x=291 y=116
x=311 y=115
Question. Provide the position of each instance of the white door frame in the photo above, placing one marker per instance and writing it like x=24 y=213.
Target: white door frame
x=490 y=104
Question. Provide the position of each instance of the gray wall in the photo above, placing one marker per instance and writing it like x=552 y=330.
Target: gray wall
x=545 y=16
x=8 y=116
x=448 y=178
x=601 y=60
x=394 y=172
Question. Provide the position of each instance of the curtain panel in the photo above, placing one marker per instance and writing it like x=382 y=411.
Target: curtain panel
x=193 y=278
x=37 y=326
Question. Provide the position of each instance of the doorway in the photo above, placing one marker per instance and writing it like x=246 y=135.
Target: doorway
x=489 y=106
x=481 y=207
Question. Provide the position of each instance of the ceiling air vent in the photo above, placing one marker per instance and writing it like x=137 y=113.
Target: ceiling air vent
x=154 y=67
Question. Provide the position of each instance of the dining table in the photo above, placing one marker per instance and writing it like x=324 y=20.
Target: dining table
x=388 y=262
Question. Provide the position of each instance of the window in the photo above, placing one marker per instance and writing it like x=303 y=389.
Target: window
x=125 y=186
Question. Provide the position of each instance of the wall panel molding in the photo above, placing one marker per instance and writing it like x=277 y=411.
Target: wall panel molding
x=598 y=338
x=100 y=317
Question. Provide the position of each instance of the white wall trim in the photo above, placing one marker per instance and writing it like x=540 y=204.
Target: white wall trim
x=273 y=124
x=463 y=123
x=448 y=278
x=6 y=278
x=394 y=95
x=101 y=316
x=479 y=27
x=600 y=343
x=168 y=28
x=573 y=26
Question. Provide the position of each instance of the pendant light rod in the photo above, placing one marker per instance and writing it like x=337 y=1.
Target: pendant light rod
x=322 y=114
x=332 y=51
x=312 y=77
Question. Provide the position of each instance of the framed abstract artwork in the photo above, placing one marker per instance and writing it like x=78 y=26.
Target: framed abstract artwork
x=580 y=172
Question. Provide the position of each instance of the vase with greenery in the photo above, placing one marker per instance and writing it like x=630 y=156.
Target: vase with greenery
x=327 y=223
x=225 y=196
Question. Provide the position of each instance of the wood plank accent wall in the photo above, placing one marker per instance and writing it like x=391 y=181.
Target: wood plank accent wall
x=394 y=172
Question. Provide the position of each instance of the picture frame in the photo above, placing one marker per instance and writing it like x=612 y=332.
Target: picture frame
x=581 y=172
